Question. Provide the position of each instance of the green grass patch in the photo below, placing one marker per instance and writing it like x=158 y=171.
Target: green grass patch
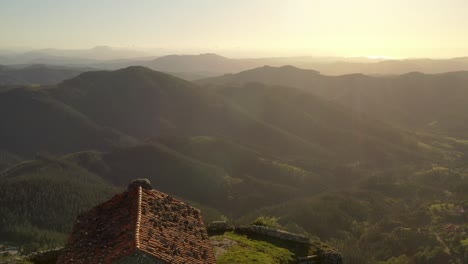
x=253 y=251
x=464 y=243
x=441 y=207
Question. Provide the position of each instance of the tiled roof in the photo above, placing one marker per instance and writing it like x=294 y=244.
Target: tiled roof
x=105 y=233
x=140 y=220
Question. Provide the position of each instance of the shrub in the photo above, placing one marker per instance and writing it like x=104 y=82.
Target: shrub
x=267 y=221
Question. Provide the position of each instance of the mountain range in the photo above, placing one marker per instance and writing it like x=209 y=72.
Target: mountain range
x=365 y=163
x=192 y=67
x=141 y=103
x=427 y=102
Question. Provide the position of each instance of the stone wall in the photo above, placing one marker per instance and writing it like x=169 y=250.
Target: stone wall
x=273 y=233
x=45 y=257
x=307 y=252
x=219 y=227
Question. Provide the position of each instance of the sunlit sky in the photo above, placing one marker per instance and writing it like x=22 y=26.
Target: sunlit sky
x=390 y=28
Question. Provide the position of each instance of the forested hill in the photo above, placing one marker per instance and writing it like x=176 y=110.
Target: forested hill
x=33 y=121
x=139 y=103
x=432 y=102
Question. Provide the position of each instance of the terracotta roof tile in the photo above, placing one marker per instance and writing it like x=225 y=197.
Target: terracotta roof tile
x=172 y=230
x=142 y=220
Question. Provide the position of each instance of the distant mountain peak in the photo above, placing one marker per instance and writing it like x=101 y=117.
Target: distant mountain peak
x=210 y=63
x=36 y=66
x=214 y=55
x=206 y=55
x=101 y=48
x=136 y=69
x=128 y=78
x=289 y=67
x=413 y=73
x=284 y=68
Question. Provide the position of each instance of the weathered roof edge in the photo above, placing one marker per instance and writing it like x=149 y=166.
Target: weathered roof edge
x=138 y=219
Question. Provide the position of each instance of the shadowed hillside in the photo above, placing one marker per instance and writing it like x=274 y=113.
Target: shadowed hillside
x=32 y=122
x=143 y=103
x=435 y=103
x=37 y=74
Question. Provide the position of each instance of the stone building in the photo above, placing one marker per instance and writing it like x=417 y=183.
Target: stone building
x=141 y=225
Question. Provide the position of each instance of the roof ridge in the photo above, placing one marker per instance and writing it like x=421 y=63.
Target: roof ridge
x=138 y=220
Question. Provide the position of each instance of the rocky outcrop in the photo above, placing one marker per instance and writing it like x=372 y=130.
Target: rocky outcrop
x=45 y=257
x=219 y=227
x=330 y=257
x=273 y=233
x=326 y=254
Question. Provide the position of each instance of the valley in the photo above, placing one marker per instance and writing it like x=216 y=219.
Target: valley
x=329 y=157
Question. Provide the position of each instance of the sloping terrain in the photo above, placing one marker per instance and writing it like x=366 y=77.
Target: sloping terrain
x=37 y=74
x=40 y=199
x=32 y=122
x=143 y=103
x=434 y=103
x=348 y=135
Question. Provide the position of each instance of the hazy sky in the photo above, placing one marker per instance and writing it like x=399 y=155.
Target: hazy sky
x=396 y=28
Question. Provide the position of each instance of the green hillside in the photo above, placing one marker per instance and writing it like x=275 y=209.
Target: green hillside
x=431 y=102
x=34 y=122
x=348 y=135
x=243 y=162
x=40 y=199
x=231 y=187
x=144 y=103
